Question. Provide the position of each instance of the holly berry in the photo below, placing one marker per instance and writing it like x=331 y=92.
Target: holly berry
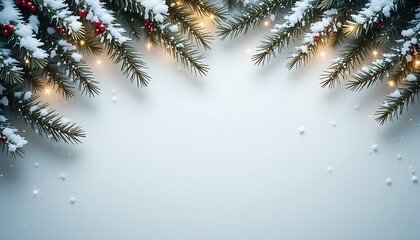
x=317 y=38
x=5 y=33
x=32 y=9
x=3 y=138
x=96 y=23
x=102 y=28
x=23 y=3
x=82 y=12
x=10 y=28
x=150 y=29
x=29 y=5
x=97 y=31
x=147 y=22
x=57 y=28
x=3 y=26
x=413 y=53
x=406 y=37
x=63 y=31
x=379 y=24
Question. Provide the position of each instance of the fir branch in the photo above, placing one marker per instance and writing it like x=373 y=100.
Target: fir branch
x=189 y=25
x=10 y=71
x=377 y=71
x=206 y=8
x=280 y=37
x=58 y=80
x=396 y=102
x=242 y=24
x=356 y=51
x=49 y=124
x=130 y=59
x=184 y=51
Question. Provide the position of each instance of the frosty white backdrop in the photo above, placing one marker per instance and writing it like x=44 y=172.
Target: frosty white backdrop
x=218 y=157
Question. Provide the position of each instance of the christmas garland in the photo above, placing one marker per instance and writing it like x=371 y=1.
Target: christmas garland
x=42 y=43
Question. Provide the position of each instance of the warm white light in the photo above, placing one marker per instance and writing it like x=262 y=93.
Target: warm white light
x=26 y=60
x=201 y=24
x=211 y=16
x=322 y=54
x=248 y=50
x=417 y=63
x=375 y=53
x=47 y=91
x=391 y=83
x=82 y=42
x=98 y=61
x=35 y=192
x=266 y=23
x=149 y=46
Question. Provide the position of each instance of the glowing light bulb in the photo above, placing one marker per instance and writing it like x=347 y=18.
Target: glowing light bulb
x=266 y=23
x=375 y=53
x=201 y=24
x=82 y=42
x=26 y=60
x=47 y=91
x=98 y=61
x=322 y=54
x=211 y=16
x=417 y=63
x=391 y=83
x=35 y=192
x=149 y=46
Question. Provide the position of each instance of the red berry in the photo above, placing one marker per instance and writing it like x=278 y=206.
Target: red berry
x=23 y=4
x=102 y=28
x=5 y=33
x=3 y=26
x=82 y=12
x=33 y=9
x=413 y=53
x=29 y=5
x=97 y=31
x=96 y=23
x=147 y=22
x=330 y=30
x=57 y=28
x=10 y=28
x=150 y=29
x=19 y=3
x=406 y=37
x=317 y=38
x=63 y=30
x=379 y=24
x=3 y=138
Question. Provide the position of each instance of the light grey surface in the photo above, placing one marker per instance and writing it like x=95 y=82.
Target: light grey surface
x=218 y=157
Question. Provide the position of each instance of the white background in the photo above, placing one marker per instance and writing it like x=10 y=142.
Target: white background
x=218 y=157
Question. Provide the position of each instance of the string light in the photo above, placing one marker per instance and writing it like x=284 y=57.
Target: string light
x=47 y=91
x=417 y=63
x=149 y=45
x=266 y=23
x=211 y=16
x=375 y=53
x=201 y=24
x=322 y=54
x=26 y=60
x=98 y=61
x=391 y=83
x=82 y=42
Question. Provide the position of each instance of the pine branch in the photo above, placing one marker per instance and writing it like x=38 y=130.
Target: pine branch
x=10 y=71
x=396 y=102
x=184 y=51
x=189 y=25
x=57 y=79
x=242 y=24
x=377 y=71
x=130 y=59
x=206 y=8
x=280 y=37
x=356 y=51
x=45 y=122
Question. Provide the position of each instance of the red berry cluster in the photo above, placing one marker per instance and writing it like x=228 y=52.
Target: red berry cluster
x=100 y=28
x=26 y=4
x=406 y=37
x=317 y=38
x=61 y=30
x=379 y=24
x=7 y=29
x=150 y=28
x=3 y=138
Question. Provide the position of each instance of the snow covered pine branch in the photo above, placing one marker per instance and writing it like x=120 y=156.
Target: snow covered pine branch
x=364 y=28
x=42 y=43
